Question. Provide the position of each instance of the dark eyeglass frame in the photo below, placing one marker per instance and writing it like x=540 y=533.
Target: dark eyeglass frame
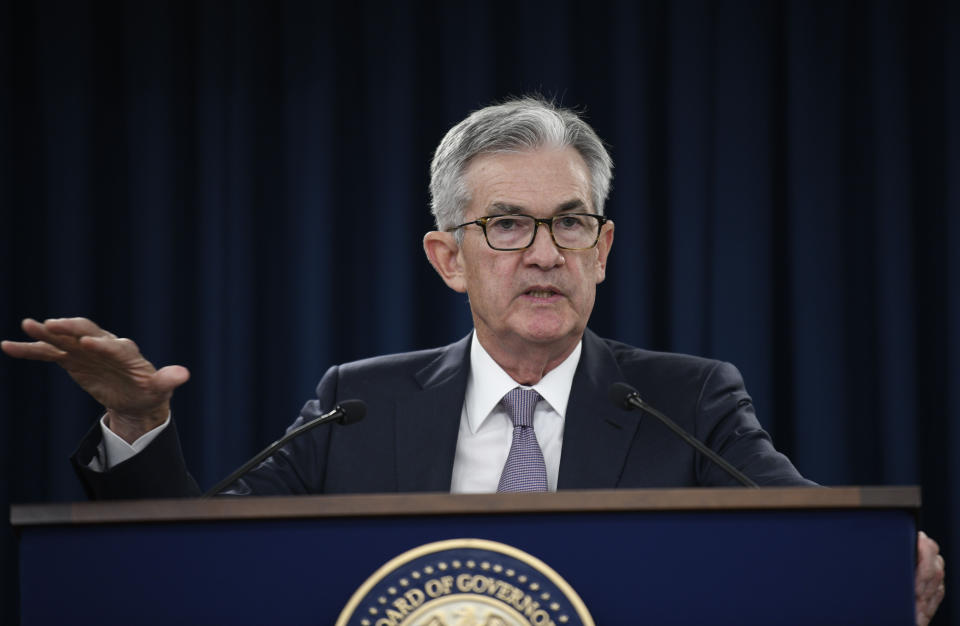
x=546 y=221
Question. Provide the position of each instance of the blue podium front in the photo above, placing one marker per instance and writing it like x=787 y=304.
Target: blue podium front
x=718 y=556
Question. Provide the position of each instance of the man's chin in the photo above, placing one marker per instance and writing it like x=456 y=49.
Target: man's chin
x=542 y=334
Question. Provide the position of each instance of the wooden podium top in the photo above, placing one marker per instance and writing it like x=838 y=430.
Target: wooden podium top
x=290 y=507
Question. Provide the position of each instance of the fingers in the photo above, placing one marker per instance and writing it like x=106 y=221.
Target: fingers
x=36 y=351
x=76 y=326
x=927 y=607
x=926 y=544
x=73 y=337
x=43 y=332
x=930 y=575
x=110 y=347
x=73 y=343
x=62 y=332
x=930 y=564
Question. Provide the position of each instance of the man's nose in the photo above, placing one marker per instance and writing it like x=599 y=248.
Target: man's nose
x=543 y=252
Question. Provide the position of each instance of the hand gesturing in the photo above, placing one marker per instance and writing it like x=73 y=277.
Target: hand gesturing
x=111 y=369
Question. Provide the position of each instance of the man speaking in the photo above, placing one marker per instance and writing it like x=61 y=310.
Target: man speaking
x=518 y=192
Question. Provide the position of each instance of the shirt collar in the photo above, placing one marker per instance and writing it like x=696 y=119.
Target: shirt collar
x=488 y=383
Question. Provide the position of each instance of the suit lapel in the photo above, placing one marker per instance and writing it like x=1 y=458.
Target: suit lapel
x=428 y=422
x=597 y=436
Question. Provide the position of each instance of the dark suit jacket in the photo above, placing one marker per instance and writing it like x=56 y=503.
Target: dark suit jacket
x=408 y=439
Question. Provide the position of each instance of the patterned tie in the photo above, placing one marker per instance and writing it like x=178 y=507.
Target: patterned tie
x=524 y=469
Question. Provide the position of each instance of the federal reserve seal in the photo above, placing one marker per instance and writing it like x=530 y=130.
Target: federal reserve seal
x=465 y=582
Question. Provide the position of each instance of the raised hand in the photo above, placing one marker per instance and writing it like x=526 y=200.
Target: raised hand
x=111 y=369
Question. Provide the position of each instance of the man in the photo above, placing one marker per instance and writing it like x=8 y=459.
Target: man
x=518 y=192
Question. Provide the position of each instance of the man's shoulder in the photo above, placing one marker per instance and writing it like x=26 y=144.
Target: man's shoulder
x=630 y=357
x=653 y=371
x=406 y=363
x=397 y=360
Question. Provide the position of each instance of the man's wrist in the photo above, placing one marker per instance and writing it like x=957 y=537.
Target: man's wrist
x=114 y=450
x=131 y=428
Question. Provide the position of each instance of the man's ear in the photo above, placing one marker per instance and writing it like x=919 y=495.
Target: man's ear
x=444 y=255
x=603 y=250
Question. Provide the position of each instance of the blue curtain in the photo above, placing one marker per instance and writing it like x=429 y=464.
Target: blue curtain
x=242 y=188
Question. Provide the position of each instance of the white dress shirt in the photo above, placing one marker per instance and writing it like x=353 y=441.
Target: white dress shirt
x=486 y=430
x=113 y=450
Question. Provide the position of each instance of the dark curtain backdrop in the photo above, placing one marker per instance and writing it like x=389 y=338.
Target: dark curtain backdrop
x=242 y=188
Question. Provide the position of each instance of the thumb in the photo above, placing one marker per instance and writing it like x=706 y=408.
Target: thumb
x=170 y=377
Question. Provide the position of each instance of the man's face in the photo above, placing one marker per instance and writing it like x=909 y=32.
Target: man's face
x=541 y=295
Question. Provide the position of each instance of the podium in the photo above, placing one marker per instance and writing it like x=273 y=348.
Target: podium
x=671 y=556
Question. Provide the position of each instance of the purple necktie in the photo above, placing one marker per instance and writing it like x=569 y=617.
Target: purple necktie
x=524 y=469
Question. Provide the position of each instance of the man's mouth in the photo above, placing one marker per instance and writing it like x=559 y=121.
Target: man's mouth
x=541 y=293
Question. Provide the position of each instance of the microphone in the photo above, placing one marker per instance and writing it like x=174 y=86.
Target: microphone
x=347 y=412
x=627 y=398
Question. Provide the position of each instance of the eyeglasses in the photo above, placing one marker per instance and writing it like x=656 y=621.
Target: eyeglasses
x=569 y=231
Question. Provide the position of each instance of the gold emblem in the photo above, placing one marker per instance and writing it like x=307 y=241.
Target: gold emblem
x=465 y=582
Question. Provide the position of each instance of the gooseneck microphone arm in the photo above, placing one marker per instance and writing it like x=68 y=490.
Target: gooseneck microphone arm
x=347 y=412
x=626 y=397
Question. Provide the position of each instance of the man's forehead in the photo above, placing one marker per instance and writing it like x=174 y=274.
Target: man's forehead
x=543 y=180
x=505 y=208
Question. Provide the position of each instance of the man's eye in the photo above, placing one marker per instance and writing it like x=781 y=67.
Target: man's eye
x=568 y=222
x=505 y=223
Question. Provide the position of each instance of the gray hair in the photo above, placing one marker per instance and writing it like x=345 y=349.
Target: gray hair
x=514 y=126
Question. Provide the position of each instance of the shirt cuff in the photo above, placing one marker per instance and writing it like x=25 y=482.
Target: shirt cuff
x=116 y=450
